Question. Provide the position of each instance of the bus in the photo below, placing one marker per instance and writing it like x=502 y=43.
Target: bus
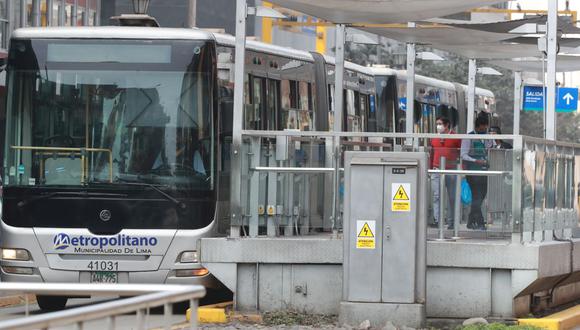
x=433 y=98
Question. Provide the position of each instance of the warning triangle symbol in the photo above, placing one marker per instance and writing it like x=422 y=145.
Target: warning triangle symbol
x=401 y=195
x=366 y=231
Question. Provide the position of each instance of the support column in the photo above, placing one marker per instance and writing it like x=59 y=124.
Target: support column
x=471 y=95
x=236 y=160
x=192 y=13
x=35 y=12
x=551 y=70
x=75 y=12
x=337 y=128
x=23 y=15
x=517 y=101
x=62 y=13
x=410 y=109
x=49 y=6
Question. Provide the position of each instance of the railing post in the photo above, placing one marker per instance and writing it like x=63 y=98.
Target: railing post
x=442 y=200
x=167 y=316
x=140 y=319
x=517 y=212
x=193 y=314
x=457 y=206
x=338 y=110
x=254 y=160
x=238 y=118
x=271 y=208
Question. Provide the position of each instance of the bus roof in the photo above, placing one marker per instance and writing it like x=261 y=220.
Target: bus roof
x=111 y=32
x=229 y=40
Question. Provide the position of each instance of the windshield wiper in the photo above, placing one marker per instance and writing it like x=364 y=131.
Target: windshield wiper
x=85 y=194
x=170 y=198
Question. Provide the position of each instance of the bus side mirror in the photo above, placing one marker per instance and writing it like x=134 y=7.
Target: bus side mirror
x=3 y=62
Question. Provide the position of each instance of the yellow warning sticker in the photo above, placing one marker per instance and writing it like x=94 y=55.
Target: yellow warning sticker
x=401 y=201
x=365 y=238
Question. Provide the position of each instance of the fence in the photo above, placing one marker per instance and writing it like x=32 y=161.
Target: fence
x=146 y=296
x=292 y=183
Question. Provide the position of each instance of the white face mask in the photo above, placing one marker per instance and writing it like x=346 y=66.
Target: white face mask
x=440 y=128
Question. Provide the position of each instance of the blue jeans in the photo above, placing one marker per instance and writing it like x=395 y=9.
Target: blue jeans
x=450 y=188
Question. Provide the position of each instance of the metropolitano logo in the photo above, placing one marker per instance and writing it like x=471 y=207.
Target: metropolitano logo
x=61 y=241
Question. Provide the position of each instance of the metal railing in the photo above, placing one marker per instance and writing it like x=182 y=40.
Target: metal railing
x=146 y=296
x=292 y=182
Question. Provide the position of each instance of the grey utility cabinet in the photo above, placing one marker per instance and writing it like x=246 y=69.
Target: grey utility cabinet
x=384 y=238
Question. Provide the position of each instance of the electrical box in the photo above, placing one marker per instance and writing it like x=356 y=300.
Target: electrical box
x=385 y=229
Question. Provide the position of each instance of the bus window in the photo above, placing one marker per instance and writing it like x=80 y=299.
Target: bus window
x=273 y=103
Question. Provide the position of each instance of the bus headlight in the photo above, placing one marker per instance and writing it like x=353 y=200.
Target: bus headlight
x=15 y=254
x=189 y=257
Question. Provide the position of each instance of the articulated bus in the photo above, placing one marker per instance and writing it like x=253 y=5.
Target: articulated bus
x=433 y=98
x=118 y=144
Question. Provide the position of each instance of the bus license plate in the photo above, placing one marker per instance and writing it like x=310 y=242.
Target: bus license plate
x=104 y=277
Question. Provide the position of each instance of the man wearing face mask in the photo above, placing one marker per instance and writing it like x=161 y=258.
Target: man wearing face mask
x=474 y=156
x=449 y=149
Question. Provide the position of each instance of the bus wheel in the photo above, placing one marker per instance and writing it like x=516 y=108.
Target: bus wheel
x=51 y=303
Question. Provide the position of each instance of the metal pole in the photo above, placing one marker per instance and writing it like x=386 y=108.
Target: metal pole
x=457 y=206
x=238 y=116
x=62 y=13
x=338 y=105
x=49 y=8
x=9 y=25
x=74 y=14
x=23 y=14
x=517 y=101
x=98 y=13
x=551 y=85
x=471 y=95
x=85 y=17
x=410 y=109
x=442 y=199
x=192 y=13
x=35 y=12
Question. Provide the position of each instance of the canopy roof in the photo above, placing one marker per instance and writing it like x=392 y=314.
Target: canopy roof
x=564 y=63
x=480 y=40
x=381 y=11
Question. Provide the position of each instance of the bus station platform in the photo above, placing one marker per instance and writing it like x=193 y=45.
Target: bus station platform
x=465 y=278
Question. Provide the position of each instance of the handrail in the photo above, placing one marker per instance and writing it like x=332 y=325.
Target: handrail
x=148 y=296
x=468 y=172
x=383 y=135
x=293 y=169
x=74 y=149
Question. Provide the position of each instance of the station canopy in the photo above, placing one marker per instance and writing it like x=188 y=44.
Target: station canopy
x=492 y=42
x=381 y=11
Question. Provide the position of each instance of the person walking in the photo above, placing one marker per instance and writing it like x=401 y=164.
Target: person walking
x=448 y=149
x=474 y=156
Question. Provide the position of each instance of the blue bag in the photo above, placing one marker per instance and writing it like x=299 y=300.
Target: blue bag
x=465 y=192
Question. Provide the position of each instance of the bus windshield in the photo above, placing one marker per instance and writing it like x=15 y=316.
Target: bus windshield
x=84 y=112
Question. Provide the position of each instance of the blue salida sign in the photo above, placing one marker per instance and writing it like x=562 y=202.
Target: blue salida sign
x=566 y=100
